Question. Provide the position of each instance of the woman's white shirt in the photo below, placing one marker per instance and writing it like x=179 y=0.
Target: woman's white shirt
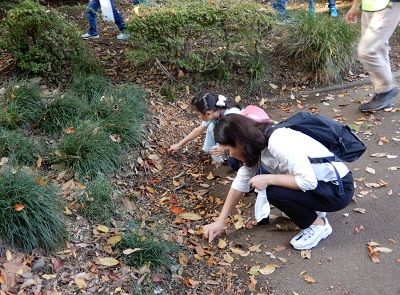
x=287 y=153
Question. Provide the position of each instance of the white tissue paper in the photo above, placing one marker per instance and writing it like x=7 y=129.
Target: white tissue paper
x=261 y=208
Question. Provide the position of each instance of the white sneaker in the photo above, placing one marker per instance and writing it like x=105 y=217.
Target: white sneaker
x=310 y=237
x=88 y=36
x=123 y=36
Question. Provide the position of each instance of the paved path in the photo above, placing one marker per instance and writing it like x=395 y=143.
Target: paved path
x=341 y=264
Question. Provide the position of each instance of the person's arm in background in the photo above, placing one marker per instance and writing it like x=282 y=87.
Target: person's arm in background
x=214 y=229
x=355 y=9
x=192 y=135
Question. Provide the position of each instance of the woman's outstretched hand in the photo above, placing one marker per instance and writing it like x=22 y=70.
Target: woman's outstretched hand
x=212 y=230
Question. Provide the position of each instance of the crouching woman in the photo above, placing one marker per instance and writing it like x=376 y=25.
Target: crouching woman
x=303 y=191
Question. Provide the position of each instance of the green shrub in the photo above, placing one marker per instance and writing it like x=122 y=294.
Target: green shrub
x=20 y=149
x=123 y=111
x=200 y=35
x=30 y=213
x=43 y=41
x=321 y=47
x=22 y=105
x=97 y=203
x=87 y=149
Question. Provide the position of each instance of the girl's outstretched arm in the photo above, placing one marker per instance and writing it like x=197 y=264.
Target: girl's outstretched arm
x=213 y=229
x=196 y=132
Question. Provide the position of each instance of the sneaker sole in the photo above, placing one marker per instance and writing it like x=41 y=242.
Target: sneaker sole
x=91 y=37
x=316 y=242
x=377 y=109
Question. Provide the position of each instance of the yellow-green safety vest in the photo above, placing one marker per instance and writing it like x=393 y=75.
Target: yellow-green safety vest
x=374 y=5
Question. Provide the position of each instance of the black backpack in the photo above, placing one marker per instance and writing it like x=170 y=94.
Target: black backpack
x=339 y=138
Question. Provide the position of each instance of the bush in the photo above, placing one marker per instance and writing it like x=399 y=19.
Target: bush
x=200 y=35
x=123 y=111
x=20 y=149
x=30 y=213
x=22 y=105
x=97 y=203
x=87 y=149
x=43 y=41
x=320 y=47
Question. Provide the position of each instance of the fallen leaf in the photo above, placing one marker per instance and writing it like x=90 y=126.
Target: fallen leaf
x=358 y=228
x=70 y=130
x=228 y=258
x=255 y=248
x=254 y=269
x=268 y=269
x=306 y=254
x=19 y=207
x=183 y=260
x=176 y=210
x=103 y=228
x=108 y=261
x=113 y=240
x=373 y=254
x=279 y=248
x=130 y=251
x=360 y=210
x=81 y=283
x=370 y=170
x=309 y=279
x=222 y=244
x=190 y=216
x=383 y=249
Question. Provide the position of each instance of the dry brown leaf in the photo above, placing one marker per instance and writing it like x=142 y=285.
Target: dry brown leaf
x=103 y=228
x=279 y=248
x=16 y=267
x=255 y=248
x=228 y=258
x=130 y=251
x=113 y=240
x=360 y=210
x=19 y=207
x=81 y=283
x=183 y=260
x=383 y=249
x=108 y=261
x=358 y=228
x=373 y=254
x=222 y=244
x=309 y=279
x=370 y=170
x=306 y=254
x=268 y=269
x=190 y=216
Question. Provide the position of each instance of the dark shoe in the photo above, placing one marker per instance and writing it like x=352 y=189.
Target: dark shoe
x=263 y=221
x=379 y=101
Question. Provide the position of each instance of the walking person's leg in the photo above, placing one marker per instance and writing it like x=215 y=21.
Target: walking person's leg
x=91 y=12
x=373 y=51
x=332 y=8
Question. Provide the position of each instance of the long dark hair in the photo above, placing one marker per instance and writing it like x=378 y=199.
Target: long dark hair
x=234 y=129
x=206 y=101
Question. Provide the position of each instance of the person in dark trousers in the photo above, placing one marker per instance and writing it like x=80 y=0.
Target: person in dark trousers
x=91 y=11
x=301 y=190
x=379 y=20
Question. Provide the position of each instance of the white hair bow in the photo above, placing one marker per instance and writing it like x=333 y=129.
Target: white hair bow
x=221 y=101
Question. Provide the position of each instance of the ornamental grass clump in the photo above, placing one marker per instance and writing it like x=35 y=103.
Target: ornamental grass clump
x=97 y=203
x=30 y=213
x=61 y=113
x=321 y=47
x=21 y=150
x=22 y=105
x=86 y=149
x=153 y=250
x=123 y=110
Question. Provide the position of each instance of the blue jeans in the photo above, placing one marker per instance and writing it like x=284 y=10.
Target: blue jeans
x=280 y=5
x=93 y=7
